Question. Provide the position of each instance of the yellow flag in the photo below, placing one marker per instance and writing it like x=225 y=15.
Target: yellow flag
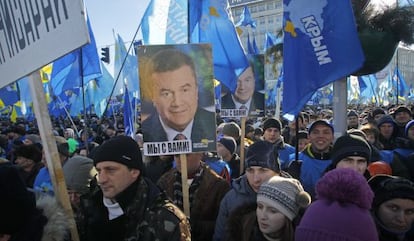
x=13 y=116
x=45 y=72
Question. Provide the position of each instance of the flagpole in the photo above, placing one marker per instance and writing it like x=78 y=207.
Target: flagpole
x=398 y=79
x=85 y=119
x=339 y=107
x=279 y=100
x=68 y=114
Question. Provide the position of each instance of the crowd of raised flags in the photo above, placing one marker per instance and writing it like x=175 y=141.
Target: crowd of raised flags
x=79 y=80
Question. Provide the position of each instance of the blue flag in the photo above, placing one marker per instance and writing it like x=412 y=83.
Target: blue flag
x=76 y=102
x=362 y=83
x=99 y=91
x=128 y=116
x=250 y=49
x=10 y=94
x=255 y=48
x=367 y=88
x=398 y=83
x=246 y=19
x=59 y=105
x=25 y=96
x=165 y=22
x=212 y=22
x=321 y=45
x=270 y=41
x=128 y=69
x=67 y=74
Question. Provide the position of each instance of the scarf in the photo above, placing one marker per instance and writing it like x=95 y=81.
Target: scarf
x=178 y=189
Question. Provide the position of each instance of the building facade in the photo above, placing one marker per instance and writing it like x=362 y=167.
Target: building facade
x=268 y=15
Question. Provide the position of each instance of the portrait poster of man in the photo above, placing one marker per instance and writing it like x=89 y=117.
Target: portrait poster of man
x=248 y=99
x=177 y=94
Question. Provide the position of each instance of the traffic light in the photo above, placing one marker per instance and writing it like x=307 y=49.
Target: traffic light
x=105 y=55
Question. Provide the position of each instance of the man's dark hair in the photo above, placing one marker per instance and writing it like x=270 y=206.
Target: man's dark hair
x=171 y=59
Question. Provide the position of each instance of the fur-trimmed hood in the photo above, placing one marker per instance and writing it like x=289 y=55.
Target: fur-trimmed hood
x=56 y=228
x=46 y=222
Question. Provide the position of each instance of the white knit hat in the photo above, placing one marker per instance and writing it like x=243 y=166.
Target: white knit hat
x=285 y=194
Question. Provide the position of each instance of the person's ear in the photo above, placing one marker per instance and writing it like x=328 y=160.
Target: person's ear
x=135 y=172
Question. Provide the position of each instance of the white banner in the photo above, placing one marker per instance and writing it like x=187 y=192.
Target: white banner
x=34 y=33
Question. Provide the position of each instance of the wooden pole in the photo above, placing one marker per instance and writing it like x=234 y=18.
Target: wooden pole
x=184 y=184
x=50 y=149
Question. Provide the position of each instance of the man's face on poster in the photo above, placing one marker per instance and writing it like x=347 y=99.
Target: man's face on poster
x=245 y=86
x=176 y=96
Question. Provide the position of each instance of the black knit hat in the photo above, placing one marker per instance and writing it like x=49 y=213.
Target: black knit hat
x=378 y=111
x=31 y=152
x=386 y=119
x=386 y=187
x=229 y=143
x=121 y=149
x=16 y=203
x=272 y=123
x=249 y=128
x=62 y=146
x=350 y=145
x=263 y=154
x=302 y=135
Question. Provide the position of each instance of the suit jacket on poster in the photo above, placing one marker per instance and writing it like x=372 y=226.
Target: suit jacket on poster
x=203 y=130
x=257 y=103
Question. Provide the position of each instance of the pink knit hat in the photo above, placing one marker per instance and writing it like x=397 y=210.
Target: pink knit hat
x=341 y=211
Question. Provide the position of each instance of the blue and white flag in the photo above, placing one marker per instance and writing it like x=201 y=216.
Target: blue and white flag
x=165 y=22
x=368 y=85
x=126 y=68
x=321 y=45
x=246 y=19
x=399 y=84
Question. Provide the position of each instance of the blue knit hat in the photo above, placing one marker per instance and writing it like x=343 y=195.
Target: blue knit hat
x=408 y=126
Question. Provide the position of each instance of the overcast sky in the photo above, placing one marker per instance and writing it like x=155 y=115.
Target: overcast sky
x=121 y=16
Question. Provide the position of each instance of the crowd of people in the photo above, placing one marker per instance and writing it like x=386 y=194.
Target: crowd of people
x=296 y=183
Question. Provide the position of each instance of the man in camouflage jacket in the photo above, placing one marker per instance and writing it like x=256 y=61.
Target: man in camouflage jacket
x=127 y=206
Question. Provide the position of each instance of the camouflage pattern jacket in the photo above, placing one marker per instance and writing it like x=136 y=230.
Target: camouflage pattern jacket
x=205 y=204
x=148 y=216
